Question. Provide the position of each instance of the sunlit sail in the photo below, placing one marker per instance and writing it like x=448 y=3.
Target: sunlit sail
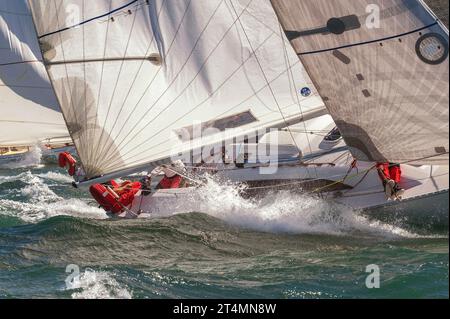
x=132 y=77
x=29 y=110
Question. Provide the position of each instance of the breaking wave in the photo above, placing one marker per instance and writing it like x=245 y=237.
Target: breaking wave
x=30 y=159
x=37 y=201
x=93 y=284
x=284 y=212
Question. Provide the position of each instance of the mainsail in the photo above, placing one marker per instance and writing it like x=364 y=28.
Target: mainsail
x=133 y=77
x=382 y=69
x=29 y=111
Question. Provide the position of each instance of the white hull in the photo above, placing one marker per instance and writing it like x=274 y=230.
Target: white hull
x=426 y=194
x=425 y=200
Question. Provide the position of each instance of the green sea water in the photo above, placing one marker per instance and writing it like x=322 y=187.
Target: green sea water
x=284 y=246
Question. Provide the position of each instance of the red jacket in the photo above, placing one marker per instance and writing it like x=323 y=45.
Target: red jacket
x=171 y=182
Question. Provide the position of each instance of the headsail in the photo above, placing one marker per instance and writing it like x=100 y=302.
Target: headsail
x=382 y=69
x=29 y=111
x=132 y=77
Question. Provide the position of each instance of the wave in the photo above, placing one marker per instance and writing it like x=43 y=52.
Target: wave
x=57 y=177
x=30 y=159
x=93 y=284
x=36 y=212
x=286 y=212
x=280 y=212
x=39 y=201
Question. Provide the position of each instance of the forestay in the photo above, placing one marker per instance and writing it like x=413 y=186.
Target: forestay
x=132 y=77
x=29 y=111
x=382 y=69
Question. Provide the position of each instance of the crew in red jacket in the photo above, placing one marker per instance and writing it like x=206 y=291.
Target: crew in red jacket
x=390 y=174
x=173 y=176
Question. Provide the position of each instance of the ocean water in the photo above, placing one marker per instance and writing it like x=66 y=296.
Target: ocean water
x=283 y=246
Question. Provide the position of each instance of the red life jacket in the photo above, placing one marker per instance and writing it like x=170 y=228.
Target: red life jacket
x=170 y=182
x=392 y=171
x=65 y=159
x=108 y=200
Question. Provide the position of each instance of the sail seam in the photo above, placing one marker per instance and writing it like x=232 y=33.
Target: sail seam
x=369 y=42
x=89 y=20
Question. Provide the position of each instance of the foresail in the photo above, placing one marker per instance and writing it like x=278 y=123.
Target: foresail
x=29 y=111
x=382 y=69
x=133 y=77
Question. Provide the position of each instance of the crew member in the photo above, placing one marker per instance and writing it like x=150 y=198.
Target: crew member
x=173 y=176
x=390 y=174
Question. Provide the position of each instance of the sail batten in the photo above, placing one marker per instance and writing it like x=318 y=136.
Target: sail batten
x=382 y=70
x=124 y=112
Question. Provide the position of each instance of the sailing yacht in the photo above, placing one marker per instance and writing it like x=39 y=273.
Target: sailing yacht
x=142 y=83
x=29 y=110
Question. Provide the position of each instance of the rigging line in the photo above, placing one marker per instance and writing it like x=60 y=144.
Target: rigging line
x=99 y=154
x=20 y=62
x=296 y=91
x=84 y=69
x=243 y=50
x=292 y=84
x=89 y=20
x=153 y=79
x=32 y=122
x=347 y=176
x=265 y=77
x=134 y=81
x=100 y=87
x=375 y=165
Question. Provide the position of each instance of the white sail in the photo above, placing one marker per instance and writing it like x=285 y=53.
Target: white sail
x=382 y=69
x=29 y=111
x=133 y=76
